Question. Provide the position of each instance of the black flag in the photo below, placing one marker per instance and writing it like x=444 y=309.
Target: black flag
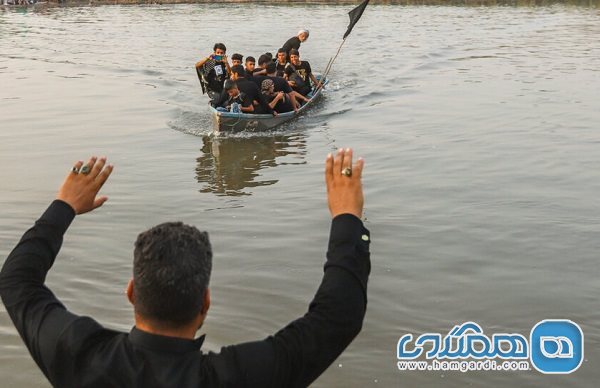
x=355 y=14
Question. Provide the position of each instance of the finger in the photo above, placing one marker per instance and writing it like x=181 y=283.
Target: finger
x=337 y=162
x=89 y=165
x=98 y=167
x=76 y=167
x=358 y=168
x=347 y=159
x=103 y=176
x=99 y=201
x=329 y=170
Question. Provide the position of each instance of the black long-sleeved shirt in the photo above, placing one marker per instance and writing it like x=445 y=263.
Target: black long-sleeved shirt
x=76 y=351
x=292 y=43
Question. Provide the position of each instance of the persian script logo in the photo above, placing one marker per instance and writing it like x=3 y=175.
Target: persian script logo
x=555 y=346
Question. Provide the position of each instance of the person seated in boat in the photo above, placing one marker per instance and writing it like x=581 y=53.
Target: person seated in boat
x=294 y=42
x=292 y=102
x=263 y=61
x=250 y=67
x=250 y=89
x=273 y=98
x=281 y=62
x=237 y=102
x=236 y=59
x=300 y=74
x=215 y=69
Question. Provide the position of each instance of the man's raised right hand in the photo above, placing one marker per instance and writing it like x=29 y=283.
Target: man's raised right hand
x=344 y=186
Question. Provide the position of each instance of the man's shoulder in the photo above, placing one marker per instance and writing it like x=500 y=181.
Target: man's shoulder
x=292 y=40
x=278 y=80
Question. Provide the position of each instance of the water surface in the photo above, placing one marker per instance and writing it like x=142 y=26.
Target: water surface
x=479 y=130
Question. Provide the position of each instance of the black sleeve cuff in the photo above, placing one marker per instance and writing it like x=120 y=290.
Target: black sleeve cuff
x=60 y=214
x=348 y=248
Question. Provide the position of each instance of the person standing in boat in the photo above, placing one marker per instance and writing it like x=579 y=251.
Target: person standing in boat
x=215 y=70
x=300 y=74
x=294 y=42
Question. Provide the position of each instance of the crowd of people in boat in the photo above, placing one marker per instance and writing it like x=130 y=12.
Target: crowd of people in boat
x=271 y=86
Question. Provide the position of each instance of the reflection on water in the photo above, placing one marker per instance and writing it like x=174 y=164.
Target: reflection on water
x=230 y=165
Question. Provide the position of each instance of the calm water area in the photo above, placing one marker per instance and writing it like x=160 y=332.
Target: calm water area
x=480 y=131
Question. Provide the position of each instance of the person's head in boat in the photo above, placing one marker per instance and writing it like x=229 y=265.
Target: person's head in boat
x=250 y=65
x=270 y=56
x=171 y=272
x=231 y=88
x=263 y=60
x=281 y=56
x=219 y=50
x=271 y=69
x=236 y=59
x=237 y=72
x=267 y=87
x=303 y=35
x=294 y=57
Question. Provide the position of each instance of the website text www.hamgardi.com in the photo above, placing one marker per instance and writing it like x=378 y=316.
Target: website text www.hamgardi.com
x=463 y=366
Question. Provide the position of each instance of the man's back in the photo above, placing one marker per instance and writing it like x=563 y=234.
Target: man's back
x=76 y=351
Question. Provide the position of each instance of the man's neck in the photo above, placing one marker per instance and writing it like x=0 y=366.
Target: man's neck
x=187 y=332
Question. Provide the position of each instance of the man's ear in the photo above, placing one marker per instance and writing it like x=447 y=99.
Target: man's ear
x=205 y=302
x=129 y=292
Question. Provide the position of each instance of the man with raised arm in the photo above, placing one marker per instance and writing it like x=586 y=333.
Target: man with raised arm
x=170 y=297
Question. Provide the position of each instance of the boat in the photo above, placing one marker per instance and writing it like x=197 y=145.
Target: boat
x=238 y=122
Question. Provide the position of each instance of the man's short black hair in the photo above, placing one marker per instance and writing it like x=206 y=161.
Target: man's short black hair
x=239 y=70
x=250 y=59
x=281 y=50
x=219 y=46
x=171 y=271
x=263 y=59
x=269 y=55
x=294 y=52
x=271 y=67
x=237 y=57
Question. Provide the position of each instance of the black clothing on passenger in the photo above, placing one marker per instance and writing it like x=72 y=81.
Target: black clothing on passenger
x=215 y=73
x=281 y=85
x=76 y=351
x=241 y=99
x=281 y=67
x=258 y=79
x=300 y=74
x=253 y=91
x=291 y=43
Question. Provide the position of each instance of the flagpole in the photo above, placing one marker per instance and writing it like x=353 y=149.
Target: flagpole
x=355 y=15
x=329 y=66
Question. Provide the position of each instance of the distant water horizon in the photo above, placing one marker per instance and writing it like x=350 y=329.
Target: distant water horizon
x=473 y=3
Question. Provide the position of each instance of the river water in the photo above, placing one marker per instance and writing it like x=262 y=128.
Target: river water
x=479 y=126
